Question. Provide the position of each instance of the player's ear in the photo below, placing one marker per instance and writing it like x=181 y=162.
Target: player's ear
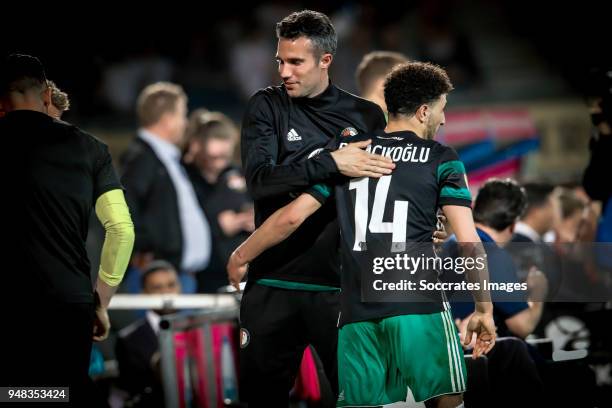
x=423 y=113
x=46 y=96
x=326 y=60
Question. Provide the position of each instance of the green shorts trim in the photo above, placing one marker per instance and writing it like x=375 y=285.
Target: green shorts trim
x=283 y=284
x=378 y=360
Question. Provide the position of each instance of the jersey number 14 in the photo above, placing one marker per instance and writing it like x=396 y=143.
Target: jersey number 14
x=397 y=227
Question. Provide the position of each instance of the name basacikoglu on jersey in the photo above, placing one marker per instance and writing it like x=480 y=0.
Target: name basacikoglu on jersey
x=408 y=153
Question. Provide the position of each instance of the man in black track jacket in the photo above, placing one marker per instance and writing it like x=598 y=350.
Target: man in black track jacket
x=291 y=298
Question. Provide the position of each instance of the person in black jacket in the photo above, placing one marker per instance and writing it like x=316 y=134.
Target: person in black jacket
x=600 y=146
x=599 y=100
x=594 y=181
x=169 y=220
x=220 y=185
x=542 y=214
x=291 y=297
x=52 y=312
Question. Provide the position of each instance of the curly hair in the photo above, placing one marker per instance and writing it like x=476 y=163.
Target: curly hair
x=310 y=24
x=59 y=98
x=414 y=84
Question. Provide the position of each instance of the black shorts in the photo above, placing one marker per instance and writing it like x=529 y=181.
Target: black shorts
x=49 y=344
x=276 y=326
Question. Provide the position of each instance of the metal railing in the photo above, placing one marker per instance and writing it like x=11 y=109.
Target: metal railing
x=207 y=310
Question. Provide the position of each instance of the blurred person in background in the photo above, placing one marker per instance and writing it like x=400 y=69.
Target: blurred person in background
x=189 y=149
x=137 y=347
x=497 y=208
x=573 y=244
x=169 y=220
x=542 y=214
x=597 y=186
x=372 y=72
x=599 y=101
x=571 y=227
x=222 y=190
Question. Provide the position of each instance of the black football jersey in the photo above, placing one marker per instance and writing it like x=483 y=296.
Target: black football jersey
x=387 y=225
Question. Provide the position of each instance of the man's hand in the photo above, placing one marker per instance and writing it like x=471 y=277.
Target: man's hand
x=102 y=297
x=440 y=235
x=101 y=326
x=232 y=222
x=462 y=327
x=353 y=161
x=482 y=325
x=236 y=269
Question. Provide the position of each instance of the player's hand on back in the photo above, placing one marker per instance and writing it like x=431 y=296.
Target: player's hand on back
x=353 y=161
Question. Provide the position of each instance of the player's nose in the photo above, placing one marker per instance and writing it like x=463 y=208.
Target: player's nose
x=284 y=71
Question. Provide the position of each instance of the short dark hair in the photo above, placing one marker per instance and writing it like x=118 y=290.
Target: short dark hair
x=310 y=24
x=414 y=84
x=155 y=266
x=537 y=195
x=499 y=203
x=20 y=73
x=375 y=65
